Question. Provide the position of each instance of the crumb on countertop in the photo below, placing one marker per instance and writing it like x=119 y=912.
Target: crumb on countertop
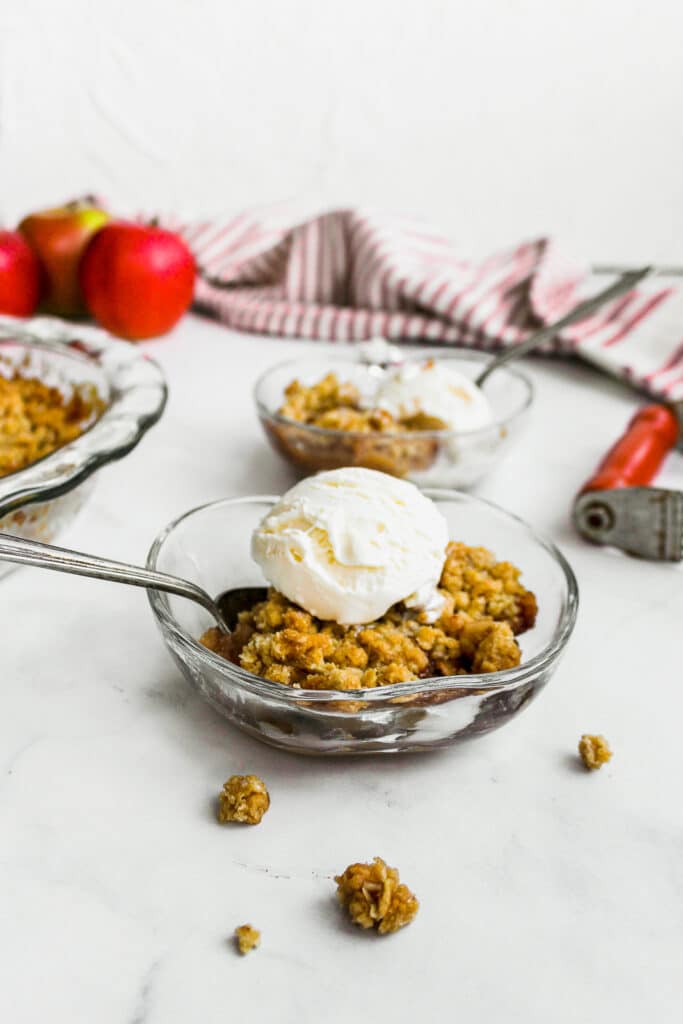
x=244 y=798
x=247 y=938
x=594 y=751
x=375 y=897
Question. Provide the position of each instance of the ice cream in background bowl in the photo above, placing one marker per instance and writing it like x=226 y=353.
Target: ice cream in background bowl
x=418 y=417
x=348 y=544
x=435 y=390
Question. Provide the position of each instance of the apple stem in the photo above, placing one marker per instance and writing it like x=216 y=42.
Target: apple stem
x=83 y=203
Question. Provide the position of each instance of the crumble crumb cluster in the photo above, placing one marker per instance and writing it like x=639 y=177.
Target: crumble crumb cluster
x=594 y=751
x=36 y=419
x=485 y=607
x=336 y=405
x=375 y=897
x=244 y=798
x=247 y=938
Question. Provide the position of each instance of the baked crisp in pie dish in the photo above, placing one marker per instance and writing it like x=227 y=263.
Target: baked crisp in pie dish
x=37 y=419
x=485 y=607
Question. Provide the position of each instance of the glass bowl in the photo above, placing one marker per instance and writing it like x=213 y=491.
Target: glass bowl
x=211 y=546
x=434 y=458
x=37 y=502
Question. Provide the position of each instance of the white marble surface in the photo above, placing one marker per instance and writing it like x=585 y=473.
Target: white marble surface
x=547 y=894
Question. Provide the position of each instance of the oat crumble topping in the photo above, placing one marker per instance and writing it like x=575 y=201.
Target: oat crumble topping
x=374 y=897
x=357 y=437
x=336 y=405
x=594 y=751
x=247 y=938
x=244 y=798
x=486 y=606
x=36 y=419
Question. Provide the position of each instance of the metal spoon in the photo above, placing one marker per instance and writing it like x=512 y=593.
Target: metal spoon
x=625 y=283
x=224 y=609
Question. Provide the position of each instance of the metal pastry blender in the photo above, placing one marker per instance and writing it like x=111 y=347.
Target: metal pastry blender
x=617 y=505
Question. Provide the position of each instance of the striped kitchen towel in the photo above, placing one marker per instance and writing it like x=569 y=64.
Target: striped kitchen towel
x=350 y=275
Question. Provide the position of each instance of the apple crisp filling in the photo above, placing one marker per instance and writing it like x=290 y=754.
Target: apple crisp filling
x=36 y=419
x=485 y=608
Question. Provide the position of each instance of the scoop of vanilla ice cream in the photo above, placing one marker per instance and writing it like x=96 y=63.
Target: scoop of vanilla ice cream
x=348 y=544
x=438 y=390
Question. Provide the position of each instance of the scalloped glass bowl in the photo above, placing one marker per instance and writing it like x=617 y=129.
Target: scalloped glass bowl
x=39 y=501
x=211 y=546
x=437 y=458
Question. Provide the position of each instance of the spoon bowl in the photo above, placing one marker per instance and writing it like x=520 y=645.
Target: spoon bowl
x=239 y=599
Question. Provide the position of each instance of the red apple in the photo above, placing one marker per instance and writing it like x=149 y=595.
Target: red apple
x=58 y=238
x=20 y=276
x=137 y=280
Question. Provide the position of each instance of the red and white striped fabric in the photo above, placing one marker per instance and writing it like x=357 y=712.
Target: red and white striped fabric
x=350 y=275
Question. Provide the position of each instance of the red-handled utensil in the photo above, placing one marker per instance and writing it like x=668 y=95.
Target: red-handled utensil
x=617 y=507
x=637 y=456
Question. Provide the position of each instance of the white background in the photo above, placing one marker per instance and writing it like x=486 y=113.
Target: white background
x=493 y=119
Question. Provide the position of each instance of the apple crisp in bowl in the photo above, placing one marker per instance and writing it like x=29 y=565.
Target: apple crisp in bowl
x=396 y=684
x=324 y=413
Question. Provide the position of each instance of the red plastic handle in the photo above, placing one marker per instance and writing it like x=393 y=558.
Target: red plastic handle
x=636 y=457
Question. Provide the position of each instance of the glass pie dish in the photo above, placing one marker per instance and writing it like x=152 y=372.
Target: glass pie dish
x=428 y=458
x=211 y=546
x=39 y=500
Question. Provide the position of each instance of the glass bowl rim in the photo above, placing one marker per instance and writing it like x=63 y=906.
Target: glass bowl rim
x=46 y=478
x=507 y=679
x=456 y=354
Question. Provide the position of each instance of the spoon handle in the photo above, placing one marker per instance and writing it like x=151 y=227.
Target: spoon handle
x=584 y=309
x=47 y=556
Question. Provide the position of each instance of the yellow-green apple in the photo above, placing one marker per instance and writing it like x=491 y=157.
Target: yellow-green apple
x=58 y=237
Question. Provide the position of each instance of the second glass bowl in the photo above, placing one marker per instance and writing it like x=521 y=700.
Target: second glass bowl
x=435 y=458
